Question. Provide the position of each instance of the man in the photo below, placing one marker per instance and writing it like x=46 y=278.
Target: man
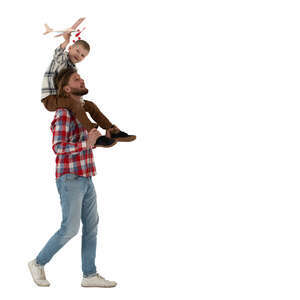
x=74 y=170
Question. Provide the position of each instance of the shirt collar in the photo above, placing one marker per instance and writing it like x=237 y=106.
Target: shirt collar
x=70 y=62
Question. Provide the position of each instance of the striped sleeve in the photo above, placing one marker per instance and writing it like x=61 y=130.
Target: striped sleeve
x=60 y=56
x=60 y=128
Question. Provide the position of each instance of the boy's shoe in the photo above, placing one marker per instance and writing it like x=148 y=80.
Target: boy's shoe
x=104 y=141
x=97 y=281
x=122 y=136
x=38 y=274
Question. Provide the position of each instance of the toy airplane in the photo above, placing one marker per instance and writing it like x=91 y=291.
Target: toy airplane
x=67 y=30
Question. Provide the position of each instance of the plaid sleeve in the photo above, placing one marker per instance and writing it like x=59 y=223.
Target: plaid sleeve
x=59 y=56
x=60 y=128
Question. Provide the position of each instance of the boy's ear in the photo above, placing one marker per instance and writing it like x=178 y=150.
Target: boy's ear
x=70 y=47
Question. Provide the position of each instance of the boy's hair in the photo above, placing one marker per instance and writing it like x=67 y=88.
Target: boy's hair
x=62 y=79
x=83 y=44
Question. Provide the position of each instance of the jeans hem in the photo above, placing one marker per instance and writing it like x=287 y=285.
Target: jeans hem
x=89 y=275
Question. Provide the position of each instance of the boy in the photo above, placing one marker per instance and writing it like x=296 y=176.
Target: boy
x=61 y=60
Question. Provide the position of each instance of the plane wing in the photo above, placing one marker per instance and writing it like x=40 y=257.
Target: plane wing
x=77 y=23
x=68 y=30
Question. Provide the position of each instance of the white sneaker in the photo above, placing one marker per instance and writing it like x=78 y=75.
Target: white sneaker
x=97 y=281
x=38 y=273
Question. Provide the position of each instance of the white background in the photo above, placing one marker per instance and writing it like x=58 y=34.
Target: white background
x=205 y=203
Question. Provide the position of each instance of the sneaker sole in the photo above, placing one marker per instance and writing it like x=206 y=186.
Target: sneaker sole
x=88 y=286
x=34 y=279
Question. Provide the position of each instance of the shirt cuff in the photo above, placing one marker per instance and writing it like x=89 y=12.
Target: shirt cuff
x=59 y=49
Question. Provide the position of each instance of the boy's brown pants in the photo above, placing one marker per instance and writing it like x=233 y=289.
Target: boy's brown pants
x=53 y=102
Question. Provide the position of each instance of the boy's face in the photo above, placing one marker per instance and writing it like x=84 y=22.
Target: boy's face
x=77 y=53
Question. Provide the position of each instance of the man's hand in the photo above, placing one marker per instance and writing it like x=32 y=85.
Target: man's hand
x=92 y=137
x=111 y=130
x=107 y=133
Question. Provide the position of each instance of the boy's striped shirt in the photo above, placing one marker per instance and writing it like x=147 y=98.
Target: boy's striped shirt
x=60 y=61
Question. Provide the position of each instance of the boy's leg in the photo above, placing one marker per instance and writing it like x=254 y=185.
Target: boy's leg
x=50 y=102
x=104 y=123
x=90 y=220
x=96 y=114
x=71 y=191
x=53 y=102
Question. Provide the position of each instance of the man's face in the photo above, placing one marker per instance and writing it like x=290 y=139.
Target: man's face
x=76 y=85
x=77 y=53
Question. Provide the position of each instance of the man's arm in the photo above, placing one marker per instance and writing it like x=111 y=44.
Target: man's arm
x=60 y=128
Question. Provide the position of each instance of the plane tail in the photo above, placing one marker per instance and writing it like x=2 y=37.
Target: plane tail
x=48 y=29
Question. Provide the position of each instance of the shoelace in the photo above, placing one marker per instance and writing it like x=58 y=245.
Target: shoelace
x=42 y=273
x=100 y=277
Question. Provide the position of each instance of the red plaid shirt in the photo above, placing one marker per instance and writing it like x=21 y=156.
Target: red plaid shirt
x=69 y=145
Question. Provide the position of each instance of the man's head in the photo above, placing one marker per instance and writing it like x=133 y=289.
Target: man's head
x=69 y=83
x=78 y=51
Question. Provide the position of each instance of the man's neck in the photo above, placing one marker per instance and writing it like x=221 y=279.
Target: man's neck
x=75 y=97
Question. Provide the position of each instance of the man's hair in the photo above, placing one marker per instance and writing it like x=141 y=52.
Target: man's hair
x=83 y=44
x=62 y=79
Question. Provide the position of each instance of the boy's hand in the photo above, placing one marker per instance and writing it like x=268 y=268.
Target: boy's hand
x=67 y=36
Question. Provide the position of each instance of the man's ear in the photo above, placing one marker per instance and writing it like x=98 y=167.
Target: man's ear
x=70 y=47
x=67 y=89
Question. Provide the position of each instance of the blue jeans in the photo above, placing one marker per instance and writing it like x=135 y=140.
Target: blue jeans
x=78 y=201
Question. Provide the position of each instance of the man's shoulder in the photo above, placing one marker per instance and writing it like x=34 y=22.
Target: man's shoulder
x=63 y=115
x=63 y=119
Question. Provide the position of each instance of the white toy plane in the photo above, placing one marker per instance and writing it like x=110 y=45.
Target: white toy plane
x=67 y=30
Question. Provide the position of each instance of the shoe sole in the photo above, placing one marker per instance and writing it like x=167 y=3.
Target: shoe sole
x=127 y=139
x=108 y=146
x=98 y=286
x=29 y=266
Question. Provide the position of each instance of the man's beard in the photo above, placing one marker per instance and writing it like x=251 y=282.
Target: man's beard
x=79 y=92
